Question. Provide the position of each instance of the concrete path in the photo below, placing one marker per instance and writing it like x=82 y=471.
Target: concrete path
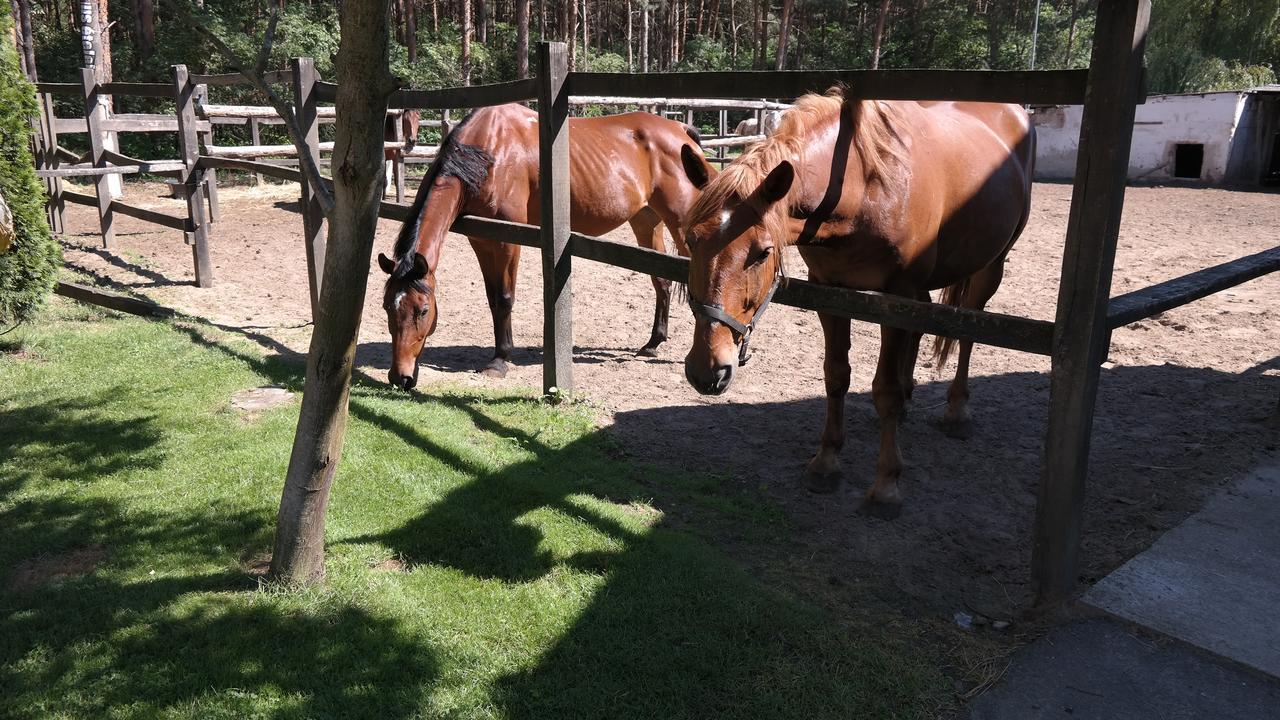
x=1206 y=598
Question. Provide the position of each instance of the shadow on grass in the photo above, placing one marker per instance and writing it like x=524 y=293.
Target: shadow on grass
x=669 y=629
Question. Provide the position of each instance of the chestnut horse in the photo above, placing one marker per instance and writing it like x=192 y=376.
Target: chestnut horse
x=622 y=168
x=899 y=197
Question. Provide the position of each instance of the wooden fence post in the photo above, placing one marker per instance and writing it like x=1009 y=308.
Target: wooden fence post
x=197 y=235
x=47 y=159
x=553 y=165
x=255 y=133
x=1081 y=336
x=94 y=114
x=210 y=176
x=304 y=107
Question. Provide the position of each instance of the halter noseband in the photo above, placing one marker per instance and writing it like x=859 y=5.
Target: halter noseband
x=716 y=313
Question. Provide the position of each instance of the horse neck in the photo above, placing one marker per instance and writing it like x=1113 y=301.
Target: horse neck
x=443 y=206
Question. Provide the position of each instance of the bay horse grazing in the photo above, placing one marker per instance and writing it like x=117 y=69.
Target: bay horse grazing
x=899 y=197
x=622 y=168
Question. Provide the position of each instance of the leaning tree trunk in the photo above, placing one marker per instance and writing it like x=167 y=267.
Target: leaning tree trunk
x=364 y=84
x=522 y=38
x=879 y=34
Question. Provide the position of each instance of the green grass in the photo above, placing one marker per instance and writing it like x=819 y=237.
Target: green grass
x=539 y=580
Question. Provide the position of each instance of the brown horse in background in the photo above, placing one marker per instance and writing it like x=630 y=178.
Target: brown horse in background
x=622 y=168
x=899 y=197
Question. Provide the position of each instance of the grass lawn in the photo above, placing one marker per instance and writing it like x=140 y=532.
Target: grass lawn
x=488 y=556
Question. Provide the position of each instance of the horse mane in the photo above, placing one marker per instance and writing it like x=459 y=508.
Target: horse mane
x=470 y=164
x=878 y=144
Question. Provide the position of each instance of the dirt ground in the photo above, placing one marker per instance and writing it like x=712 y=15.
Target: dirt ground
x=1187 y=398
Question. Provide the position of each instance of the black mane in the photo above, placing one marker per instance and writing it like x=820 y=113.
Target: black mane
x=470 y=164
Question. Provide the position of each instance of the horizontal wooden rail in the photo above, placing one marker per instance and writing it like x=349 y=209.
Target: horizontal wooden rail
x=446 y=98
x=1007 y=331
x=163 y=166
x=732 y=141
x=59 y=88
x=252 y=151
x=691 y=103
x=1040 y=87
x=1141 y=304
x=127 y=122
x=72 y=196
x=150 y=216
x=112 y=301
x=282 y=76
x=265 y=112
x=263 y=168
x=156 y=90
x=499 y=230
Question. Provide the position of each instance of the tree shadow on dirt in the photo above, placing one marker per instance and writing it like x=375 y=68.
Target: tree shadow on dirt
x=473 y=358
x=1165 y=438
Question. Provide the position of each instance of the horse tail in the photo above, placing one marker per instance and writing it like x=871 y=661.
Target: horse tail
x=951 y=295
x=693 y=134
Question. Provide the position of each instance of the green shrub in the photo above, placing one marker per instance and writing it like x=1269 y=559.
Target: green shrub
x=28 y=267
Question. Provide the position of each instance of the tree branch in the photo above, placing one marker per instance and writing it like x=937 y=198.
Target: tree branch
x=256 y=76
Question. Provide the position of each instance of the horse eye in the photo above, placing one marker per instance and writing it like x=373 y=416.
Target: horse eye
x=760 y=256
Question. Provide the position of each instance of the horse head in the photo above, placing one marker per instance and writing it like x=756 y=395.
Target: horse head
x=735 y=264
x=410 y=301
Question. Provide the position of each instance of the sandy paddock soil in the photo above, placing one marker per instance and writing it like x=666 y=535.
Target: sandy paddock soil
x=1187 y=398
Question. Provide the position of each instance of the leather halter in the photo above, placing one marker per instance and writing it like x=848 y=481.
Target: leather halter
x=716 y=313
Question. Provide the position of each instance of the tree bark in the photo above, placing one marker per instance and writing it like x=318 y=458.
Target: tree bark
x=1071 y=33
x=466 y=42
x=411 y=29
x=522 y=38
x=482 y=22
x=571 y=31
x=879 y=34
x=784 y=31
x=631 y=65
x=364 y=83
x=27 y=47
x=644 y=37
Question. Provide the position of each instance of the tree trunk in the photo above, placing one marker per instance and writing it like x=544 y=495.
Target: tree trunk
x=146 y=28
x=411 y=29
x=644 y=37
x=585 y=36
x=364 y=83
x=482 y=22
x=784 y=31
x=27 y=44
x=522 y=38
x=631 y=64
x=571 y=31
x=879 y=34
x=1071 y=33
x=466 y=42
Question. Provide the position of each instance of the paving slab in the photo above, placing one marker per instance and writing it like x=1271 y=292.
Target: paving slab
x=1099 y=669
x=1213 y=581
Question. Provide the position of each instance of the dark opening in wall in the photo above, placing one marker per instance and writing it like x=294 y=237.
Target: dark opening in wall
x=1188 y=159
x=1272 y=173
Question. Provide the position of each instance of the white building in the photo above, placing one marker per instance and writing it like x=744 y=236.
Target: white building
x=1217 y=137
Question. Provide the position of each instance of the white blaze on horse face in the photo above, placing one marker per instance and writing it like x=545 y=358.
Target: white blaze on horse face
x=399 y=297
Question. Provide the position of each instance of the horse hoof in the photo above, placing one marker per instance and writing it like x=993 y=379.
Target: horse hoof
x=495 y=370
x=822 y=484
x=957 y=429
x=647 y=351
x=880 y=509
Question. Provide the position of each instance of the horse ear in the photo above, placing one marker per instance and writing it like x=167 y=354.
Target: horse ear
x=778 y=183
x=694 y=166
x=420 y=268
x=386 y=263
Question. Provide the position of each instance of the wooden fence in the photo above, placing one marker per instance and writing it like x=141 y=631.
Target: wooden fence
x=1076 y=341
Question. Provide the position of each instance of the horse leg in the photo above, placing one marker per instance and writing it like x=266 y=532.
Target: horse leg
x=499 y=263
x=982 y=285
x=889 y=393
x=912 y=354
x=648 y=229
x=823 y=472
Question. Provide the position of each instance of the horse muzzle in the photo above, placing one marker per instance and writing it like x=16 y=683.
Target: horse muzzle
x=403 y=381
x=712 y=380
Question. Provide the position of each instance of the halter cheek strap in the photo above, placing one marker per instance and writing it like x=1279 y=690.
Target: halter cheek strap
x=716 y=313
